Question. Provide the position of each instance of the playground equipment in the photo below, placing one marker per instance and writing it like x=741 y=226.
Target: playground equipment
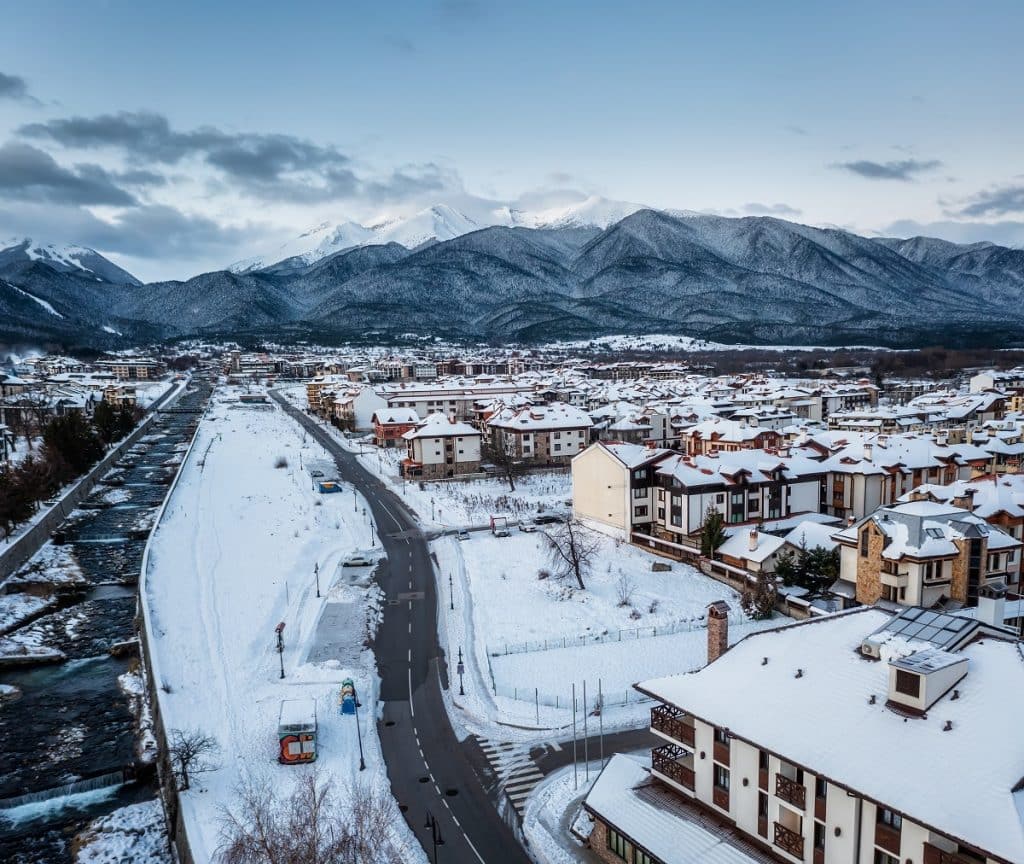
x=347 y=697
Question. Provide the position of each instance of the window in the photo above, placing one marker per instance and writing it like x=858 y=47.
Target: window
x=619 y=844
x=640 y=511
x=720 y=498
x=819 y=835
x=882 y=858
x=762 y=805
x=661 y=514
x=558 y=446
x=721 y=736
x=558 y=434
x=762 y=760
x=642 y=857
x=639 y=491
x=908 y=683
x=820 y=787
x=721 y=778
x=639 y=474
x=888 y=817
x=754 y=505
x=865 y=538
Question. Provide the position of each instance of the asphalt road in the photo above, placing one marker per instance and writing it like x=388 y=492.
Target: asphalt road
x=429 y=771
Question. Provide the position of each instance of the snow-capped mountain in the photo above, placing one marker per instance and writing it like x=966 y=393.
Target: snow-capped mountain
x=65 y=257
x=433 y=225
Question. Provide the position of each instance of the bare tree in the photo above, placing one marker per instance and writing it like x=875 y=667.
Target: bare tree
x=192 y=752
x=624 y=589
x=573 y=549
x=309 y=825
x=499 y=450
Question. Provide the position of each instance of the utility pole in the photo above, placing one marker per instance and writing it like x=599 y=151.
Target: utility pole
x=575 y=770
x=586 y=743
x=600 y=720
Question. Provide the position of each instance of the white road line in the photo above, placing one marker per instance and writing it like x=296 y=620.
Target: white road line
x=412 y=710
x=410 y=626
x=479 y=857
x=455 y=819
x=409 y=658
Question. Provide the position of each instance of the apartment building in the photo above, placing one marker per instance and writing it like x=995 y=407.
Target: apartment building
x=390 y=424
x=924 y=552
x=439 y=447
x=727 y=436
x=133 y=368
x=543 y=434
x=859 y=738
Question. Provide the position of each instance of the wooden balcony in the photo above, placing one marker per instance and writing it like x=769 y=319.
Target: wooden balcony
x=935 y=855
x=789 y=841
x=671 y=722
x=675 y=764
x=887 y=838
x=790 y=791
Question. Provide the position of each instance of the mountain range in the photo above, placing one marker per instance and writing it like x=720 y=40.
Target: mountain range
x=578 y=273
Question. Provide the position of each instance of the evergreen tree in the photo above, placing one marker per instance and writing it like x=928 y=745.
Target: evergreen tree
x=712 y=532
x=106 y=420
x=814 y=569
x=71 y=444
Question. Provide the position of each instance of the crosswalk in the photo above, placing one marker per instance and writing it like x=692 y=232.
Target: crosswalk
x=515 y=772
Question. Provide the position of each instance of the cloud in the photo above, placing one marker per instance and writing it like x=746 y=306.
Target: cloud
x=14 y=87
x=1005 y=233
x=273 y=166
x=771 y=209
x=902 y=169
x=997 y=201
x=796 y=130
x=30 y=174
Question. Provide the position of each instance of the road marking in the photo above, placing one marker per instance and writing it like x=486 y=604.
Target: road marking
x=410 y=605
x=412 y=710
x=479 y=857
x=409 y=658
x=410 y=626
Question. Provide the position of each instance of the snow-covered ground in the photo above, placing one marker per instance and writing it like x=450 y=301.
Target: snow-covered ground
x=553 y=811
x=133 y=833
x=672 y=342
x=234 y=555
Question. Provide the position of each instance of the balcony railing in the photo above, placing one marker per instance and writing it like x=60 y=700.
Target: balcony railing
x=666 y=761
x=669 y=721
x=789 y=841
x=791 y=791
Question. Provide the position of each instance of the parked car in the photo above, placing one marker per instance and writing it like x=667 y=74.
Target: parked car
x=316 y=473
x=357 y=560
x=548 y=519
x=501 y=532
x=462 y=534
x=528 y=527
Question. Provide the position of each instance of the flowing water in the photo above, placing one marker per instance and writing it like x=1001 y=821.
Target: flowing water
x=65 y=742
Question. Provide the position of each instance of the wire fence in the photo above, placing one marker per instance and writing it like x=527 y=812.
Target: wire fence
x=618 y=635
x=594 y=702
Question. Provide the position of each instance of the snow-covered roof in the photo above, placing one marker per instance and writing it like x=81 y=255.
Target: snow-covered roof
x=813 y=534
x=632 y=455
x=738 y=546
x=960 y=781
x=725 y=469
x=439 y=425
x=395 y=416
x=624 y=796
x=540 y=418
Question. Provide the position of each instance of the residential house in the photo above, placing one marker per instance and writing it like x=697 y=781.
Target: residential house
x=923 y=553
x=541 y=434
x=390 y=424
x=441 y=446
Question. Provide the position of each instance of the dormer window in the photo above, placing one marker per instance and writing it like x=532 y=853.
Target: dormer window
x=908 y=683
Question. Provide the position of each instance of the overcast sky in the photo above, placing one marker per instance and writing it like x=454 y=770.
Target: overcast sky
x=177 y=138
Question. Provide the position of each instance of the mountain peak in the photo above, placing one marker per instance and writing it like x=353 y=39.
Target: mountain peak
x=66 y=257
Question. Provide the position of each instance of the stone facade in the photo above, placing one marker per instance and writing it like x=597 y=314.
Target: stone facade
x=718 y=630
x=869 y=570
x=958 y=587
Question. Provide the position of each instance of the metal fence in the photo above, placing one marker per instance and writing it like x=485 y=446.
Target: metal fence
x=618 y=635
x=608 y=698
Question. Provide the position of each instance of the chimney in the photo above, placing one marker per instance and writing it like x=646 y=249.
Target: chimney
x=752 y=540
x=991 y=607
x=718 y=630
x=965 y=501
x=868 y=451
x=851 y=519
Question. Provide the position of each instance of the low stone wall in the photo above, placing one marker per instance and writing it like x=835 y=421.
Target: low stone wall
x=22 y=549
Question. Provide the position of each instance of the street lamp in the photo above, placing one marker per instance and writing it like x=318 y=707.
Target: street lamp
x=279 y=630
x=316 y=574
x=359 y=735
x=461 y=668
x=355 y=507
x=435 y=833
x=451 y=593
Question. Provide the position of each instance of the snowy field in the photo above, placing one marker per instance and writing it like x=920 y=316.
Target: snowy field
x=234 y=555
x=670 y=342
x=132 y=833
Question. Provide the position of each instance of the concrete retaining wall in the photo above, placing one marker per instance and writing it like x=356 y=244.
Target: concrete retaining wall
x=22 y=549
x=176 y=829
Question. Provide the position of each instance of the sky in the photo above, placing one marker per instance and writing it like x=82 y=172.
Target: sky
x=178 y=138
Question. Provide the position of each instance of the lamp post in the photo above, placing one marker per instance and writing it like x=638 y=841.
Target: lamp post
x=451 y=593
x=359 y=735
x=435 y=833
x=279 y=630
x=355 y=506
x=461 y=668
x=316 y=575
